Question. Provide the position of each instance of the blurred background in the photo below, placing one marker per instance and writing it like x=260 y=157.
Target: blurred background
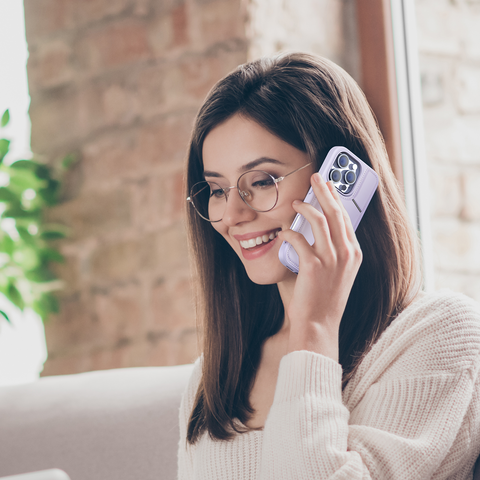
x=118 y=84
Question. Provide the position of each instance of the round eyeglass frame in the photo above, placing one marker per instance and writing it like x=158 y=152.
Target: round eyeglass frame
x=243 y=194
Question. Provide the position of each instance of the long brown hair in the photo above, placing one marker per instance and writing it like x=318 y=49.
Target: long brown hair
x=314 y=105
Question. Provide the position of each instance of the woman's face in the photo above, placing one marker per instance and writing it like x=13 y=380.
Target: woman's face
x=232 y=148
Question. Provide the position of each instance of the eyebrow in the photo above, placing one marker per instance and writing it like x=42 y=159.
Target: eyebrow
x=248 y=166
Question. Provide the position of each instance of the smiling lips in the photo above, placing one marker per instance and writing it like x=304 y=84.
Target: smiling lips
x=253 y=242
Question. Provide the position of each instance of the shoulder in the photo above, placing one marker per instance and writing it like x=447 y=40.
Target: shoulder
x=439 y=333
x=442 y=313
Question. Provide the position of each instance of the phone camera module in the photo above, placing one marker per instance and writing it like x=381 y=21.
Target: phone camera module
x=344 y=173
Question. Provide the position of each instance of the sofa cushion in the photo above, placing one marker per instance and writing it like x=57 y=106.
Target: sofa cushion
x=115 y=424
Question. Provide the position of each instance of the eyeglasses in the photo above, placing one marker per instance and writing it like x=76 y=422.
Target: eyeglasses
x=258 y=189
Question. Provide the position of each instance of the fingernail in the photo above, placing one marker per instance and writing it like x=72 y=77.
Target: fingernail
x=297 y=202
x=317 y=178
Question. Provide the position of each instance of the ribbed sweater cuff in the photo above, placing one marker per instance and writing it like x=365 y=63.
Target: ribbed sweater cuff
x=305 y=373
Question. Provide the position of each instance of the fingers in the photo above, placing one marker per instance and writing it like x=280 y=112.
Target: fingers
x=333 y=231
x=348 y=222
x=328 y=228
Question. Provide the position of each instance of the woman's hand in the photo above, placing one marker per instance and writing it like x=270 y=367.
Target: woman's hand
x=326 y=273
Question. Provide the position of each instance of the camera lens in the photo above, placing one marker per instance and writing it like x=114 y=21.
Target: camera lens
x=342 y=161
x=350 y=177
x=335 y=175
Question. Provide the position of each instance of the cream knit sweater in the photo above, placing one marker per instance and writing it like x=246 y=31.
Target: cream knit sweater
x=412 y=410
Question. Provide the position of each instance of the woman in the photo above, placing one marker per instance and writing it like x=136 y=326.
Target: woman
x=346 y=370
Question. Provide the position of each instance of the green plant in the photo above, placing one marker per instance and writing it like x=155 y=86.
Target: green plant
x=27 y=187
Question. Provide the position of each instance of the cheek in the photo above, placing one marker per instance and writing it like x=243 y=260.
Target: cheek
x=221 y=229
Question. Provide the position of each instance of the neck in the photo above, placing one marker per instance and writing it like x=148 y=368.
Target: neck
x=286 y=288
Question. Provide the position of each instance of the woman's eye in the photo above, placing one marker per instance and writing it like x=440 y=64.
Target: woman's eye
x=217 y=193
x=266 y=182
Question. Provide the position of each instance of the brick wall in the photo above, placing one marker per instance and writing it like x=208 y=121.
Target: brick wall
x=449 y=43
x=325 y=27
x=119 y=82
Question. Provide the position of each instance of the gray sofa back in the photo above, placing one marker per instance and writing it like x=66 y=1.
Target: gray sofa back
x=107 y=425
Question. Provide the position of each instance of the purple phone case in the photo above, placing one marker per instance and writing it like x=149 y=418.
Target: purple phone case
x=355 y=202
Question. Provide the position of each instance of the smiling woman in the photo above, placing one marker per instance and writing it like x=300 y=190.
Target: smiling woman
x=347 y=369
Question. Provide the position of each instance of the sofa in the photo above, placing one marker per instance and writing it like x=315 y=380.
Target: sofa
x=108 y=425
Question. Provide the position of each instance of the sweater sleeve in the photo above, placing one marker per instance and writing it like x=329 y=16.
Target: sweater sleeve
x=403 y=425
x=186 y=451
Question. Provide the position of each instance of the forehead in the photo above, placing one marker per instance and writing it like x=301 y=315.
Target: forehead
x=239 y=141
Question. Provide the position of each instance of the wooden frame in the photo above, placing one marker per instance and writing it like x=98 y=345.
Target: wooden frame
x=390 y=78
x=378 y=79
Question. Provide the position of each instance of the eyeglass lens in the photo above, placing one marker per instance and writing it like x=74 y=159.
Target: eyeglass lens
x=257 y=188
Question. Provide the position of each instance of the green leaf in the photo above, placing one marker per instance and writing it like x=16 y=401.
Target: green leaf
x=4 y=146
x=46 y=304
x=42 y=172
x=7 y=245
x=5 y=315
x=6 y=195
x=17 y=212
x=26 y=257
x=68 y=161
x=51 y=192
x=40 y=275
x=52 y=235
x=25 y=165
x=26 y=236
x=51 y=302
x=5 y=120
x=15 y=296
x=51 y=255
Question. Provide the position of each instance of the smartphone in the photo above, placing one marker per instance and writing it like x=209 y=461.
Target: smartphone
x=355 y=182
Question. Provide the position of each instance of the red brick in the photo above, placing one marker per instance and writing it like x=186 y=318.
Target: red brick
x=171 y=250
x=120 y=43
x=165 y=140
x=73 y=328
x=103 y=104
x=124 y=259
x=66 y=364
x=160 y=34
x=158 y=201
x=86 y=12
x=142 y=8
x=188 y=347
x=123 y=356
x=55 y=120
x=220 y=20
x=44 y=17
x=160 y=349
x=93 y=213
x=180 y=25
x=110 y=156
x=119 y=311
x=172 y=305
x=49 y=65
x=69 y=273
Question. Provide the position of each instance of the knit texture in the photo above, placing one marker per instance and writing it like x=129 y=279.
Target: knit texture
x=411 y=411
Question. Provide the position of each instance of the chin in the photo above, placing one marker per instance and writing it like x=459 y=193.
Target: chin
x=269 y=276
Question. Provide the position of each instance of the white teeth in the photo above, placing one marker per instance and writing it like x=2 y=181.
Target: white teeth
x=253 y=242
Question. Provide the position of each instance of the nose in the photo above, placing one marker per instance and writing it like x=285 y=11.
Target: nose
x=236 y=210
